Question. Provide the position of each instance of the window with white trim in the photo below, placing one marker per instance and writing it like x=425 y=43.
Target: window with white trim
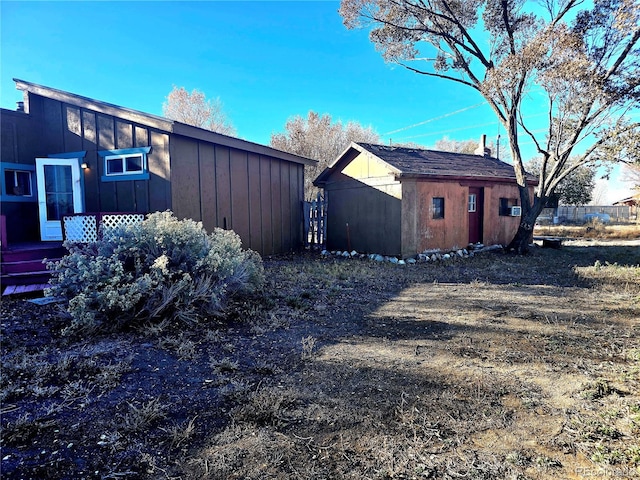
x=125 y=164
x=473 y=205
x=18 y=183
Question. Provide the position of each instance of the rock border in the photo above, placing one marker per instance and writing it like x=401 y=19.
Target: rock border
x=433 y=255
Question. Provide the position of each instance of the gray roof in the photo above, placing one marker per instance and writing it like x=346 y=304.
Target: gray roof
x=420 y=162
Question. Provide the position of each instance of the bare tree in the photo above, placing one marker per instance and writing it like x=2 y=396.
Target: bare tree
x=319 y=138
x=631 y=173
x=577 y=188
x=445 y=144
x=195 y=109
x=583 y=66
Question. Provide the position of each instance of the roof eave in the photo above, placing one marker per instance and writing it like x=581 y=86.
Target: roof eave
x=492 y=178
x=238 y=143
x=101 y=107
x=160 y=123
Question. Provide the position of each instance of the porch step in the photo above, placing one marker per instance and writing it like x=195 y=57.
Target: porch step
x=21 y=254
x=25 y=278
x=22 y=264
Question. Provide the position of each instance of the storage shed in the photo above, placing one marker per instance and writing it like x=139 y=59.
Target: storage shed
x=401 y=201
x=63 y=153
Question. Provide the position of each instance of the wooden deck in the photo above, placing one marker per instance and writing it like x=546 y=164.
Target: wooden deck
x=25 y=289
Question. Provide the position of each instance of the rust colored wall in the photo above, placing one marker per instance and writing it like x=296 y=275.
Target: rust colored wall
x=390 y=217
x=500 y=229
x=259 y=197
x=453 y=230
x=447 y=232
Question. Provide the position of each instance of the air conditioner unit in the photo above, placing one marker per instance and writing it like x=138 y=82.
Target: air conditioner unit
x=515 y=211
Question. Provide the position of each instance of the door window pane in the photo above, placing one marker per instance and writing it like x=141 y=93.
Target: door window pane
x=59 y=191
x=472 y=202
x=57 y=178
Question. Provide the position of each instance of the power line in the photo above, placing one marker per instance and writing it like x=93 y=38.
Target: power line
x=442 y=132
x=433 y=119
x=449 y=131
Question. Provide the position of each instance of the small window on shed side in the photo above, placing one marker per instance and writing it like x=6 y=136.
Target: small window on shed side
x=437 y=207
x=505 y=206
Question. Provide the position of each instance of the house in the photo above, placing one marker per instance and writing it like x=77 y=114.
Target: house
x=632 y=202
x=63 y=153
x=402 y=201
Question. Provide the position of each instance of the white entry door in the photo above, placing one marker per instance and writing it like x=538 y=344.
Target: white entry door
x=59 y=193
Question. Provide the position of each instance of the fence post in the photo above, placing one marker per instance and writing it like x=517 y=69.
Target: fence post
x=325 y=201
x=307 y=210
x=315 y=222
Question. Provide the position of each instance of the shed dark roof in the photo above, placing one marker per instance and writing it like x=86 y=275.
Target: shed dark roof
x=419 y=162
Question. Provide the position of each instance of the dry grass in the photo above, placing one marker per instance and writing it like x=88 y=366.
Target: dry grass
x=593 y=230
x=499 y=378
x=496 y=367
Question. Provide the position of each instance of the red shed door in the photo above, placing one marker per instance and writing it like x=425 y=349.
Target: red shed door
x=476 y=202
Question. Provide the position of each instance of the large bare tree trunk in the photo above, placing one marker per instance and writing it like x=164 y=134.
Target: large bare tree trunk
x=522 y=239
x=524 y=235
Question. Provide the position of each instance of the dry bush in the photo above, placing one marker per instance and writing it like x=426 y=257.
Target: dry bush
x=150 y=271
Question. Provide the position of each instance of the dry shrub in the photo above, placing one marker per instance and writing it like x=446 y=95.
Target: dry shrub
x=160 y=268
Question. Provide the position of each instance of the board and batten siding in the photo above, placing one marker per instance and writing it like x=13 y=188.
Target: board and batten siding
x=220 y=180
x=364 y=209
x=18 y=147
x=257 y=196
x=362 y=217
x=69 y=128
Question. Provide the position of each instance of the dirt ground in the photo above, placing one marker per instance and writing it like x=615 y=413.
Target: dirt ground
x=490 y=367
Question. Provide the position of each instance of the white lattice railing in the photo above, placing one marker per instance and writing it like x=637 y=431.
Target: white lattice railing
x=87 y=227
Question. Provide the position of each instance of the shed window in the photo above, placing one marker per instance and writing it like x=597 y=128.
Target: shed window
x=125 y=164
x=473 y=205
x=437 y=207
x=17 y=183
x=505 y=206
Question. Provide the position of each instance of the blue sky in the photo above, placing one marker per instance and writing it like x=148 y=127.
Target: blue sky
x=266 y=61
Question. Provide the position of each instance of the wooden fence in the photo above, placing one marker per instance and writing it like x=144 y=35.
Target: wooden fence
x=315 y=223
